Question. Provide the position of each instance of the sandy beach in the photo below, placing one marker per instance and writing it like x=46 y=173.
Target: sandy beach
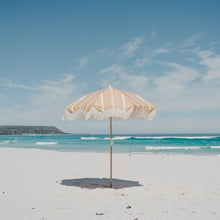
x=171 y=186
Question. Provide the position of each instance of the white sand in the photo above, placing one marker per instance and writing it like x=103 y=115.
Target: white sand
x=174 y=187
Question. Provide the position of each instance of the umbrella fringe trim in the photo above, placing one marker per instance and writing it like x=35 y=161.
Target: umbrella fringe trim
x=115 y=113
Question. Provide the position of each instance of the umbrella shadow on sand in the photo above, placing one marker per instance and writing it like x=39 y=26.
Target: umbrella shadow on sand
x=93 y=183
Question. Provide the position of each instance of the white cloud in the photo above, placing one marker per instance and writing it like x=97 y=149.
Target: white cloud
x=204 y=54
x=131 y=47
x=48 y=91
x=121 y=77
x=145 y=60
x=17 y=106
x=49 y=88
x=190 y=59
x=208 y=60
x=46 y=101
x=115 y=68
x=174 y=87
x=83 y=61
x=160 y=51
x=174 y=83
x=18 y=86
x=183 y=73
x=142 y=62
x=212 y=63
x=192 y=40
x=54 y=92
x=111 y=75
x=135 y=82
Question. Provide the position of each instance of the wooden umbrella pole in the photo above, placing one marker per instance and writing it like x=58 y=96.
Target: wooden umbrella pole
x=110 y=152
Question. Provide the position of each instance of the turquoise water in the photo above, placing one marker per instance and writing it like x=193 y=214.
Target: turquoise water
x=178 y=144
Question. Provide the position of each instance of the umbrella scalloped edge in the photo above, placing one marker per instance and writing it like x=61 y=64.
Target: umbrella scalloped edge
x=115 y=113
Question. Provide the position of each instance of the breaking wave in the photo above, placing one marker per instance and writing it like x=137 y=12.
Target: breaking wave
x=8 y=142
x=119 y=138
x=46 y=143
x=215 y=147
x=176 y=137
x=171 y=148
x=89 y=138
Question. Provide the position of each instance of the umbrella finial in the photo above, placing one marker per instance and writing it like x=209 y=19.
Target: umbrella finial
x=109 y=87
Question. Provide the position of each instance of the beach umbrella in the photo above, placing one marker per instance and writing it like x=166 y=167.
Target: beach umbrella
x=113 y=104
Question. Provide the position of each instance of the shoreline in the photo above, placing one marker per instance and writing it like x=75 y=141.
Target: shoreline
x=159 y=154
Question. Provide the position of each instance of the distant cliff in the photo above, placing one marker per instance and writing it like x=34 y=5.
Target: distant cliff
x=22 y=130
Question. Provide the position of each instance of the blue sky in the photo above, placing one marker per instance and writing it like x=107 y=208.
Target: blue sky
x=168 y=52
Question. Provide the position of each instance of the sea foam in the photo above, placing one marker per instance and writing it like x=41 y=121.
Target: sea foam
x=46 y=143
x=8 y=142
x=89 y=138
x=118 y=138
x=215 y=147
x=176 y=137
x=171 y=148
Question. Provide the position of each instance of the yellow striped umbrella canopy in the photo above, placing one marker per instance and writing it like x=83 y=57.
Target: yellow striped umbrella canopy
x=110 y=103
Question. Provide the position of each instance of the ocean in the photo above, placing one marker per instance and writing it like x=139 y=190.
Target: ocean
x=201 y=144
